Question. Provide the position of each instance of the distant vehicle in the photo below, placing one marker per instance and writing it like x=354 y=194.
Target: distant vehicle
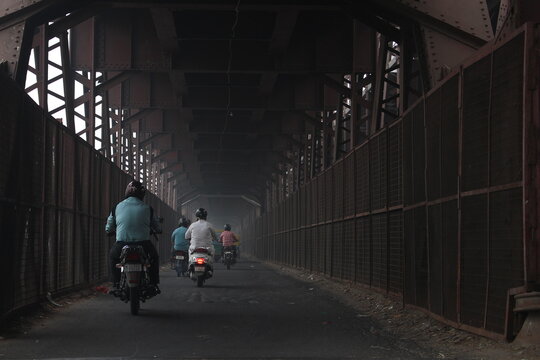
x=134 y=280
x=200 y=266
x=218 y=250
x=229 y=256
x=180 y=262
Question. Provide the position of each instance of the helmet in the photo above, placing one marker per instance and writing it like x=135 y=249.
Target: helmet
x=201 y=213
x=136 y=189
x=184 y=221
x=227 y=227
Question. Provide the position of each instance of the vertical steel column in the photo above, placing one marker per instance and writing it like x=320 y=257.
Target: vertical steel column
x=91 y=112
x=404 y=70
x=379 y=84
x=69 y=91
x=338 y=135
x=42 y=75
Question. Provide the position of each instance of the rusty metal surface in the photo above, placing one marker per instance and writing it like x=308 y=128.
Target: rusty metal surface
x=448 y=245
x=56 y=195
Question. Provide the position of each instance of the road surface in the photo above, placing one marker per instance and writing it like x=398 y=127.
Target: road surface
x=249 y=312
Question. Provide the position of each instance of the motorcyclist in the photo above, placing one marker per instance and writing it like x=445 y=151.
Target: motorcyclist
x=133 y=222
x=228 y=239
x=201 y=233
x=178 y=237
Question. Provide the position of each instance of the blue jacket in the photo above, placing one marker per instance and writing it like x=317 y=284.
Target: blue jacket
x=178 y=239
x=132 y=221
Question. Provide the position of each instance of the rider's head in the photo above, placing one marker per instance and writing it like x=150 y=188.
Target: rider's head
x=227 y=227
x=201 y=214
x=184 y=221
x=135 y=189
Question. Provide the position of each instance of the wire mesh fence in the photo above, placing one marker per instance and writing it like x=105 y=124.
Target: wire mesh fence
x=431 y=207
x=56 y=193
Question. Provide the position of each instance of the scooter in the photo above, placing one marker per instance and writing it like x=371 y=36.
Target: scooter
x=200 y=266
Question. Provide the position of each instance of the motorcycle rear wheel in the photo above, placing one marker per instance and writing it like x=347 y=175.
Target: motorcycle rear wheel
x=134 y=303
x=200 y=281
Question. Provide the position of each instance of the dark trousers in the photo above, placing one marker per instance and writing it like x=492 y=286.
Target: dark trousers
x=149 y=249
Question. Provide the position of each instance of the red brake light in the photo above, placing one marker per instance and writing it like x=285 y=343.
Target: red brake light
x=200 y=261
x=132 y=256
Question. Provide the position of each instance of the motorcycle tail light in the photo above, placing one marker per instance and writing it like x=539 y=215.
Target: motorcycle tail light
x=200 y=261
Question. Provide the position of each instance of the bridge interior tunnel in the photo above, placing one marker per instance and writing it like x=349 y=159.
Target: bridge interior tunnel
x=372 y=141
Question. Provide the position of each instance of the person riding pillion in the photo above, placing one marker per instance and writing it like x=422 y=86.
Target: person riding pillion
x=201 y=233
x=228 y=239
x=133 y=222
x=178 y=237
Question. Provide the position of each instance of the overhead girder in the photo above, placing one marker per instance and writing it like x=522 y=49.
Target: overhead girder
x=188 y=97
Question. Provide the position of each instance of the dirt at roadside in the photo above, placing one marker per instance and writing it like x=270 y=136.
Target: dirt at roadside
x=411 y=324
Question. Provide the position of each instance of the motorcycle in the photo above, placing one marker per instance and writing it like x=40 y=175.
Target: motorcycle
x=229 y=257
x=181 y=262
x=200 y=266
x=134 y=279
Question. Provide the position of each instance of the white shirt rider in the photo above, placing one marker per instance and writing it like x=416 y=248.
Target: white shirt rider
x=201 y=234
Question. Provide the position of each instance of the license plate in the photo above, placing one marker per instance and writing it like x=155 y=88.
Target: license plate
x=132 y=267
x=199 y=268
x=179 y=257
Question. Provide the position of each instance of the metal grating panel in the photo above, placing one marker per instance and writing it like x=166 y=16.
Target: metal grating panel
x=407 y=159
x=303 y=206
x=363 y=250
x=395 y=166
x=375 y=184
x=329 y=193
x=395 y=252
x=474 y=259
x=475 y=125
x=337 y=170
x=506 y=128
x=337 y=250
x=415 y=251
x=328 y=247
x=383 y=166
x=309 y=249
x=321 y=204
x=433 y=145
x=362 y=179
x=450 y=137
x=379 y=251
x=315 y=257
x=302 y=249
x=436 y=256
x=309 y=204
x=349 y=195
x=418 y=155
x=58 y=243
x=348 y=257
x=450 y=258
x=409 y=290
x=505 y=253
x=315 y=205
x=421 y=257
x=321 y=237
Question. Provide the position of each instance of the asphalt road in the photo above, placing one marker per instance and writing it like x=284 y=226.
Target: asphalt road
x=248 y=312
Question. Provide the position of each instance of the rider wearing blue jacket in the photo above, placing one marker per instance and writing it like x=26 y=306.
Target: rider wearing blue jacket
x=133 y=222
x=178 y=237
